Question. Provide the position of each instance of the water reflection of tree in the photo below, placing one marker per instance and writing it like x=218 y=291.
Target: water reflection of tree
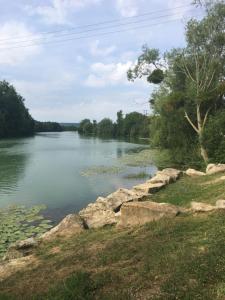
x=11 y=170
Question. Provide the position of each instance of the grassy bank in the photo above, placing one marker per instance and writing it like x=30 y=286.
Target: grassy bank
x=180 y=258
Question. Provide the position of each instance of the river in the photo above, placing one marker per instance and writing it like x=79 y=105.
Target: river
x=56 y=169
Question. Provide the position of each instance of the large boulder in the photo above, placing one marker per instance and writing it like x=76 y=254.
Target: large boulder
x=116 y=199
x=201 y=207
x=149 y=188
x=95 y=217
x=174 y=174
x=220 y=204
x=21 y=249
x=194 y=173
x=137 y=213
x=70 y=225
x=104 y=210
x=160 y=178
x=215 y=168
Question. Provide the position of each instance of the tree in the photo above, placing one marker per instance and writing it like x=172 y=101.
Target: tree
x=119 y=123
x=136 y=125
x=105 y=128
x=85 y=127
x=196 y=72
x=15 y=119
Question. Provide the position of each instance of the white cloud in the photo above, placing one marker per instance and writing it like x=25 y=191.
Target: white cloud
x=127 y=8
x=108 y=74
x=97 y=51
x=58 y=11
x=11 y=52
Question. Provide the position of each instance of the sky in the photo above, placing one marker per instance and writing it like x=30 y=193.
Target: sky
x=69 y=58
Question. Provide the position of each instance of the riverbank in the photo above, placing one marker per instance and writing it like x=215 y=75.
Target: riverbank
x=180 y=257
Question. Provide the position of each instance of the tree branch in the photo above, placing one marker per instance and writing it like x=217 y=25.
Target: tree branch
x=190 y=122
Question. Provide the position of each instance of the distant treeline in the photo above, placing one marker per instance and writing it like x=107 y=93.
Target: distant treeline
x=15 y=120
x=47 y=126
x=131 y=125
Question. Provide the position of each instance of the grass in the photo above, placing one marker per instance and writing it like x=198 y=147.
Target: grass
x=180 y=258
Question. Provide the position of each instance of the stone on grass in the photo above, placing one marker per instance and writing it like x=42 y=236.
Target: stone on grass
x=174 y=174
x=138 y=213
x=193 y=173
x=116 y=199
x=215 y=168
x=95 y=217
x=21 y=249
x=70 y=225
x=160 y=178
x=220 y=203
x=149 y=188
x=201 y=207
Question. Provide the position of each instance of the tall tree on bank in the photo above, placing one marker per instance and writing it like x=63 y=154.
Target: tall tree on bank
x=197 y=72
x=15 y=119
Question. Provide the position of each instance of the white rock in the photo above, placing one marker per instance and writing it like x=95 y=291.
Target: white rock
x=174 y=174
x=71 y=224
x=201 y=207
x=193 y=172
x=215 y=168
x=137 y=213
x=220 y=203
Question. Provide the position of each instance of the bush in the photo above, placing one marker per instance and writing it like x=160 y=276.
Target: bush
x=214 y=137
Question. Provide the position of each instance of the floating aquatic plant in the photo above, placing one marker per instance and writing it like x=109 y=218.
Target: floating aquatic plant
x=19 y=223
x=98 y=170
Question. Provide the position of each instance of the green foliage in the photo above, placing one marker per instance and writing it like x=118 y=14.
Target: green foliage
x=133 y=125
x=105 y=128
x=15 y=119
x=214 y=137
x=47 y=127
x=85 y=127
x=191 y=90
x=156 y=76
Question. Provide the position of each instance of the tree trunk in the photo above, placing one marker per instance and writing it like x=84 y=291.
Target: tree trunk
x=201 y=124
x=204 y=154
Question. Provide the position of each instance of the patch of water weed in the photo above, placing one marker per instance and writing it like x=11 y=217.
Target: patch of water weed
x=99 y=170
x=146 y=157
x=140 y=175
x=20 y=222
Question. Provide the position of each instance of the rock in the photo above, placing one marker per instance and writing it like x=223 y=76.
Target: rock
x=201 y=207
x=149 y=188
x=104 y=211
x=220 y=204
x=95 y=217
x=137 y=213
x=116 y=199
x=70 y=225
x=21 y=249
x=193 y=173
x=215 y=168
x=160 y=178
x=174 y=174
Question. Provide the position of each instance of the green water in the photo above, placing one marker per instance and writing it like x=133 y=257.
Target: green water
x=47 y=169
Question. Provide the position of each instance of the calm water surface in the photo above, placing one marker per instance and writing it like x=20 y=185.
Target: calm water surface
x=46 y=169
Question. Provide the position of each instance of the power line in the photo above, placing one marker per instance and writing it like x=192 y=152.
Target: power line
x=91 y=36
x=95 y=29
x=99 y=23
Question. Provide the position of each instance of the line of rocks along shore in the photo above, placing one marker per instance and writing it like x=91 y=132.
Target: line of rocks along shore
x=123 y=208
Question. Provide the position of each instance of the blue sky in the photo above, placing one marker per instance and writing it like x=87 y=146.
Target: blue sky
x=71 y=80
